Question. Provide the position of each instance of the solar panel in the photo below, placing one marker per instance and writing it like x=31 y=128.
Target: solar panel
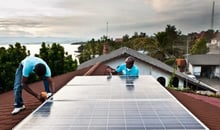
x=119 y=103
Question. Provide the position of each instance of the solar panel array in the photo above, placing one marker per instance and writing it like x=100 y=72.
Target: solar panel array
x=119 y=103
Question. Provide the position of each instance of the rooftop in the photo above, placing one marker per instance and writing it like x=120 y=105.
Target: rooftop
x=206 y=109
x=124 y=51
x=206 y=59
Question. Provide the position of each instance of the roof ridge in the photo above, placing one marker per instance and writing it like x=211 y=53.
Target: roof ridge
x=92 y=69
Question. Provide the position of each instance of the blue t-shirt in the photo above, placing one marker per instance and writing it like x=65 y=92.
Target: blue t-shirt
x=134 y=71
x=29 y=65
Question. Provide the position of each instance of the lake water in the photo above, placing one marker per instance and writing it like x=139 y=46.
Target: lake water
x=35 y=48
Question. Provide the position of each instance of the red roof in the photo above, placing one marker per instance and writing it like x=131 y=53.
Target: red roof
x=217 y=37
x=207 y=109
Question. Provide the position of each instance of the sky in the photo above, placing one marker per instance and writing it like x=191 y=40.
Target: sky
x=82 y=20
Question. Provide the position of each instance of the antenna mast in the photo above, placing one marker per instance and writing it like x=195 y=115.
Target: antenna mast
x=107 y=30
x=213 y=11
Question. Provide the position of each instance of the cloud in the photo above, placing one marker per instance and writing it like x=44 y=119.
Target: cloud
x=18 y=27
x=87 y=19
x=162 y=5
x=9 y=32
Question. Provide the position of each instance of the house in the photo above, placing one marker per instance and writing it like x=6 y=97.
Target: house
x=203 y=107
x=215 y=42
x=148 y=66
x=118 y=40
x=207 y=65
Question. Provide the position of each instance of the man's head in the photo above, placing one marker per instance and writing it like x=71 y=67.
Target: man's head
x=129 y=62
x=40 y=69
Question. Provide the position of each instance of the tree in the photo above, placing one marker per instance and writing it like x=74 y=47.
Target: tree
x=199 y=47
x=125 y=38
x=161 y=46
x=137 y=43
x=93 y=48
x=172 y=36
x=158 y=47
x=9 y=61
x=172 y=33
x=10 y=58
x=55 y=56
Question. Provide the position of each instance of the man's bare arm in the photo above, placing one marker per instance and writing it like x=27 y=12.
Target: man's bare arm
x=28 y=89
x=51 y=84
x=110 y=70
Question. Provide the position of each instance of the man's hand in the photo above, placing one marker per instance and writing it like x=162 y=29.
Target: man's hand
x=110 y=70
x=40 y=98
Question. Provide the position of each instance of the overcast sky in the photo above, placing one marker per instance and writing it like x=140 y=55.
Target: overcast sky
x=87 y=19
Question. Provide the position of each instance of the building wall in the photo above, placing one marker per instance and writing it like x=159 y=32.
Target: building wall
x=191 y=68
x=213 y=71
x=214 y=43
x=217 y=72
x=145 y=69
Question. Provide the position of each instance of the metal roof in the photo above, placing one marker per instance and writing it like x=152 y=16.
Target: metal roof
x=207 y=59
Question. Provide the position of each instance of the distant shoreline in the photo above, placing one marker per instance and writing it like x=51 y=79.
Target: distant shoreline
x=39 y=40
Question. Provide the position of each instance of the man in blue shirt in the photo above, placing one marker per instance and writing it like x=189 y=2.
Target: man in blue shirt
x=27 y=66
x=127 y=69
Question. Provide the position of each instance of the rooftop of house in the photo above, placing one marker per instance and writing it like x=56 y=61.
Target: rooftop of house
x=215 y=50
x=217 y=37
x=205 y=59
x=206 y=109
x=124 y=51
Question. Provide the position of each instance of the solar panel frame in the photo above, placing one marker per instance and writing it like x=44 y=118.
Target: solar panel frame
x=109 y=104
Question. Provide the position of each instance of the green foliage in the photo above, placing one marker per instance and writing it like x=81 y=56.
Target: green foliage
x=170 y=84
x=95 y=47
x=172 y=33
x=170 y=61
x=160 y=46
x=58 y=60
x=199 y=47
x=69 y=64
x=9 y=61
x=125 y=37
x=92 y=48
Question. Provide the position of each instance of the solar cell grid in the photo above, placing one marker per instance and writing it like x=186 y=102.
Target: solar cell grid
x=103 y=107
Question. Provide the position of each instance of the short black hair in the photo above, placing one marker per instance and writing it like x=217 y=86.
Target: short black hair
x=130 y=60
x=40 y=69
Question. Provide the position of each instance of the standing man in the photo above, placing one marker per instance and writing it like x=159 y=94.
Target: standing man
x=27 y=66
x=128 y=68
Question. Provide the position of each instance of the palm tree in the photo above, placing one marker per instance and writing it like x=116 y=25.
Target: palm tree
x=161 y=46
x=158 y=47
